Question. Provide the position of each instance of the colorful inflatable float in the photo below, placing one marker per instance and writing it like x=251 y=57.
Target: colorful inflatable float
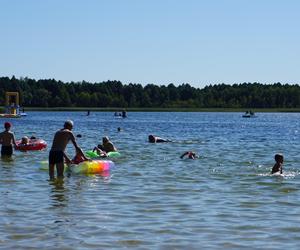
x=86 y=167
x=33 y=144
x=90 y=167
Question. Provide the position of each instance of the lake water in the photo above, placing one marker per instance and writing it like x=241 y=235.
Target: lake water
x=152 y=199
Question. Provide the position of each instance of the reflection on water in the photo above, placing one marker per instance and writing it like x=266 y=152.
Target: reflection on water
x=152 y=199
x=58 y=193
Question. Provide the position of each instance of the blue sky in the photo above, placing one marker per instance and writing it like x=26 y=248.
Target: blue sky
x=151 y=41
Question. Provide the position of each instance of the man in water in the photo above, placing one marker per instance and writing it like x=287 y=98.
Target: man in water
x=7 y=139
x=57 y=152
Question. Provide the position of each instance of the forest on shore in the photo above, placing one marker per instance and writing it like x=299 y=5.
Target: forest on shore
x=49 y=93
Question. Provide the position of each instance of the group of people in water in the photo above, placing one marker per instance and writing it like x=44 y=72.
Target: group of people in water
x=58 y=156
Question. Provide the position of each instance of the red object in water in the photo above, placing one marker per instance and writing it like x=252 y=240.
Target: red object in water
x=33 y=144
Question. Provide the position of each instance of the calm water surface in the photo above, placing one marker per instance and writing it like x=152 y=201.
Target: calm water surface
x=152 y=199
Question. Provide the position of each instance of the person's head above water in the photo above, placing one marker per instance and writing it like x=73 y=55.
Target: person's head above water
x=279 y=158
x=68 y=124
x=105 y=139
x=192 y=155
x=7 y=125
x=151 y=138
x=25 y=140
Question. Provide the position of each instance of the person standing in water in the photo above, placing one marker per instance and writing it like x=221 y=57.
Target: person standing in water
x=7 y=140
x=57 y=152
x=277 y=168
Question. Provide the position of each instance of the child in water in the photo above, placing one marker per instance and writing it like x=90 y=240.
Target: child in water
x=278 y=165
x=25 y=140
x=79 y=157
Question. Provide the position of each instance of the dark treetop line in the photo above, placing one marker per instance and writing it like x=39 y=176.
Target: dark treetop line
x=53 y=93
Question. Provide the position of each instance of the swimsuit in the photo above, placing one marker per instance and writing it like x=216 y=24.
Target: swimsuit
x=6 y=150
x=56 y=157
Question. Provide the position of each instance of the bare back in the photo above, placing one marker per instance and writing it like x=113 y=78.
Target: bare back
x=7 y=138
x=109 y=147
x=61 y=139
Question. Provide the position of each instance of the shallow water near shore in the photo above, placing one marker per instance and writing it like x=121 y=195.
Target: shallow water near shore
x=152 y=199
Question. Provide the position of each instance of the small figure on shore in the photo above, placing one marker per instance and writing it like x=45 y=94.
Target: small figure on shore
x=124 y=113
x=190 y=155
x=278 y=165
x=156 y=139
x=57 y=152
x=7 y=140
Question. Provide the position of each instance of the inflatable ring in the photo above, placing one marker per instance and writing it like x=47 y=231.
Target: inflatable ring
x=33 y=144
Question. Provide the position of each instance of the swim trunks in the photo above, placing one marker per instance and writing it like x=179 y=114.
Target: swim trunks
x=6 y=150
x=56 y=157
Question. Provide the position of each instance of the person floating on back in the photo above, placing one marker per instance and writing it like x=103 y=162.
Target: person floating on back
x=57 y=152
x=190 y=155
x=7 y=140
x=155 y=139
x=277 y=168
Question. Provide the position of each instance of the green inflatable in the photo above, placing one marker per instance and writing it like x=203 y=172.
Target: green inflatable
x=113 y=154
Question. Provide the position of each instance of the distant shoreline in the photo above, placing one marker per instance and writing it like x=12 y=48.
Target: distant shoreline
x=95 y=109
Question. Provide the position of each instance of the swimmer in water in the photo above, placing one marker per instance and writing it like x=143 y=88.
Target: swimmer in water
x=156 y=139
x=190 y=155
x=278 y=165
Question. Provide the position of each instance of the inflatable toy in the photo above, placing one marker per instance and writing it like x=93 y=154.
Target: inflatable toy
x=112 y=154
x=33 y=144
x=86 y=167
x=90 y=167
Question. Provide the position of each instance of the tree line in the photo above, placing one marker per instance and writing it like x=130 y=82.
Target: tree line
x=53 y=93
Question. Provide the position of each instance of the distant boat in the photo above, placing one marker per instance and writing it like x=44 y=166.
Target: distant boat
x=249 y=114
x=23 y=114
